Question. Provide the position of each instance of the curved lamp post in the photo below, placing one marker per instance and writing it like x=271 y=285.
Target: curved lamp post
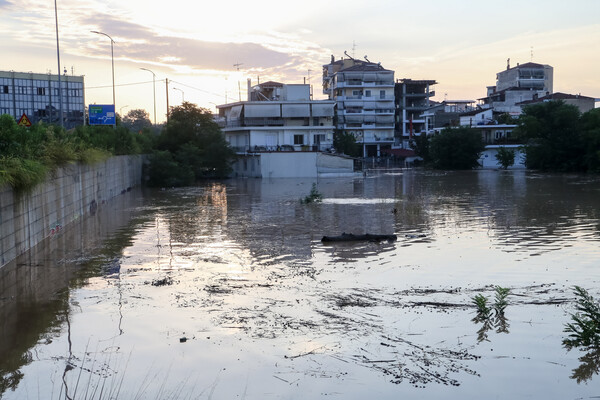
x=153 y=90
x=112 y=58
x=182 y=94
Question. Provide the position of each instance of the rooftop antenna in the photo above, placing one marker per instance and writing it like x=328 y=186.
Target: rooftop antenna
x=531 y=53
x=353 y=48
x=237 y=66
x=367 y=59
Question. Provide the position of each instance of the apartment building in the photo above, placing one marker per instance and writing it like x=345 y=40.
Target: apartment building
x=363 y=92
x=278 y=117
x=518 y=84
x=37 y=97
x=412 y=101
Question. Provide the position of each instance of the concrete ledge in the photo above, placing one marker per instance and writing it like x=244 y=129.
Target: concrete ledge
x=69 y=194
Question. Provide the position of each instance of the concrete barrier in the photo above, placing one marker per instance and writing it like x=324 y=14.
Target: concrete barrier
x=70 y=193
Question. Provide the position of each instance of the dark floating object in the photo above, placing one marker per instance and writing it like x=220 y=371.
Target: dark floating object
x=367 y=237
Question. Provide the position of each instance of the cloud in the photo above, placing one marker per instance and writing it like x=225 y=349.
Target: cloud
x=141 y=44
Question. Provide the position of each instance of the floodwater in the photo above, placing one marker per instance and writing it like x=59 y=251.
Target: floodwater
x=225 y=291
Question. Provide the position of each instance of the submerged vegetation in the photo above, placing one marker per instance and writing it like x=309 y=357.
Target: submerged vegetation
x=314 y=197
x=491 y=317
x=584 y=328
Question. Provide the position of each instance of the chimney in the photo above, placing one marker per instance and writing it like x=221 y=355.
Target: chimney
x=249 y=89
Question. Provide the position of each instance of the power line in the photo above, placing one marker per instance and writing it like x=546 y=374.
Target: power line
x=200 y=90
x=123 y=84
x=159 y=80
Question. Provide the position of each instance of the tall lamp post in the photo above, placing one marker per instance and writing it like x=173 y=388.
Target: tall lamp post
x=62 y=122
x=112 y=58
x=182 y=94
x=153 y=90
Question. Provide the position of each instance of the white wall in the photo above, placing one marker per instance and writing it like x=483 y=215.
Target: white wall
x=488 y=157
x=289 y=165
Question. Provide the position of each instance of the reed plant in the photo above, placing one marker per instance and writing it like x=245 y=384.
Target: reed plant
x=584 y=328
x=314 y=197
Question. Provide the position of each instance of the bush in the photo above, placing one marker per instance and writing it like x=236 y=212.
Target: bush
x=164 y=171
x=456 y=148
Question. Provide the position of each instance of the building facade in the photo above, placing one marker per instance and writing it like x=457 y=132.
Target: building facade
x=518 y=84
x=278 y=117
x=412 y=100
x=37 y=97
x=364 y=96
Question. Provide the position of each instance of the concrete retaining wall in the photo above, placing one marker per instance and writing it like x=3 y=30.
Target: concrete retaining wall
x=67 y=195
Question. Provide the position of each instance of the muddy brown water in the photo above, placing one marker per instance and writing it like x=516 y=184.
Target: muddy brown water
x=225 y=291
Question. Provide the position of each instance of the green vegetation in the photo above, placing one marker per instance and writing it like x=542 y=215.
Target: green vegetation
x=491 y=317
x=456 y=148
x=345 y=143
x=314 y=197
x=481 y=302
x=483 y=311
x=558 y=138
x=190 y=147
x=584 y=330
x=505 y=157
x=27 y=155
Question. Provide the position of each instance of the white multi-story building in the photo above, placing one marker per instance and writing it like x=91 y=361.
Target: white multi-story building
x=364 y=95
x=518 y=84
x=281 y=133
x=278 y=117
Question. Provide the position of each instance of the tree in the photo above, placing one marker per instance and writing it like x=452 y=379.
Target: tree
x=590 y=127
x=137 y=120
x=456 y=148
x=421 y=146
x=194 y=144
x=552 y=137
x=505 y=157
x=345 y=142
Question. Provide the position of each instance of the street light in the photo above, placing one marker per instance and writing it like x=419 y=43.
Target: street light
x=60 y=97
x=112 y=57
x=182 y=94
x=153 y=90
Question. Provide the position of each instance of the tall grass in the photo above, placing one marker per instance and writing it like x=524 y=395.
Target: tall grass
x=27 y=155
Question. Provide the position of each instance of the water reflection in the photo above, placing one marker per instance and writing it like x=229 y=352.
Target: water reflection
x=35 y=289
x=590 y=366
x=248 y=281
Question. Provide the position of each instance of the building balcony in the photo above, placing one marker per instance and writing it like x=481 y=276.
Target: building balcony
x=361 y=84
x=421 y=94
x=376 y=138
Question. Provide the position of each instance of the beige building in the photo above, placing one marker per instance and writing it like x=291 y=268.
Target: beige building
x=363 y=92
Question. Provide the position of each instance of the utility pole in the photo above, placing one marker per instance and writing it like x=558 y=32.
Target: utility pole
x=237 y=66
x=167 y=83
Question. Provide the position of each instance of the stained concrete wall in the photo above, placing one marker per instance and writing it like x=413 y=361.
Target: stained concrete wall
x=68 y=194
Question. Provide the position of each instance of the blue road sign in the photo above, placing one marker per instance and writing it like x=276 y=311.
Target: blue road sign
x=102 y=114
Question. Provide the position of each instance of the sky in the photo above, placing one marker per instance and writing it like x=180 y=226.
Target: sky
x=208 y=50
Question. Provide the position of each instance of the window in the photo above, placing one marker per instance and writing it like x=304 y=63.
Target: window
x=5 y=89
x=298 y=139
x=41 y=91
x=382 y=94
x=367 y=93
